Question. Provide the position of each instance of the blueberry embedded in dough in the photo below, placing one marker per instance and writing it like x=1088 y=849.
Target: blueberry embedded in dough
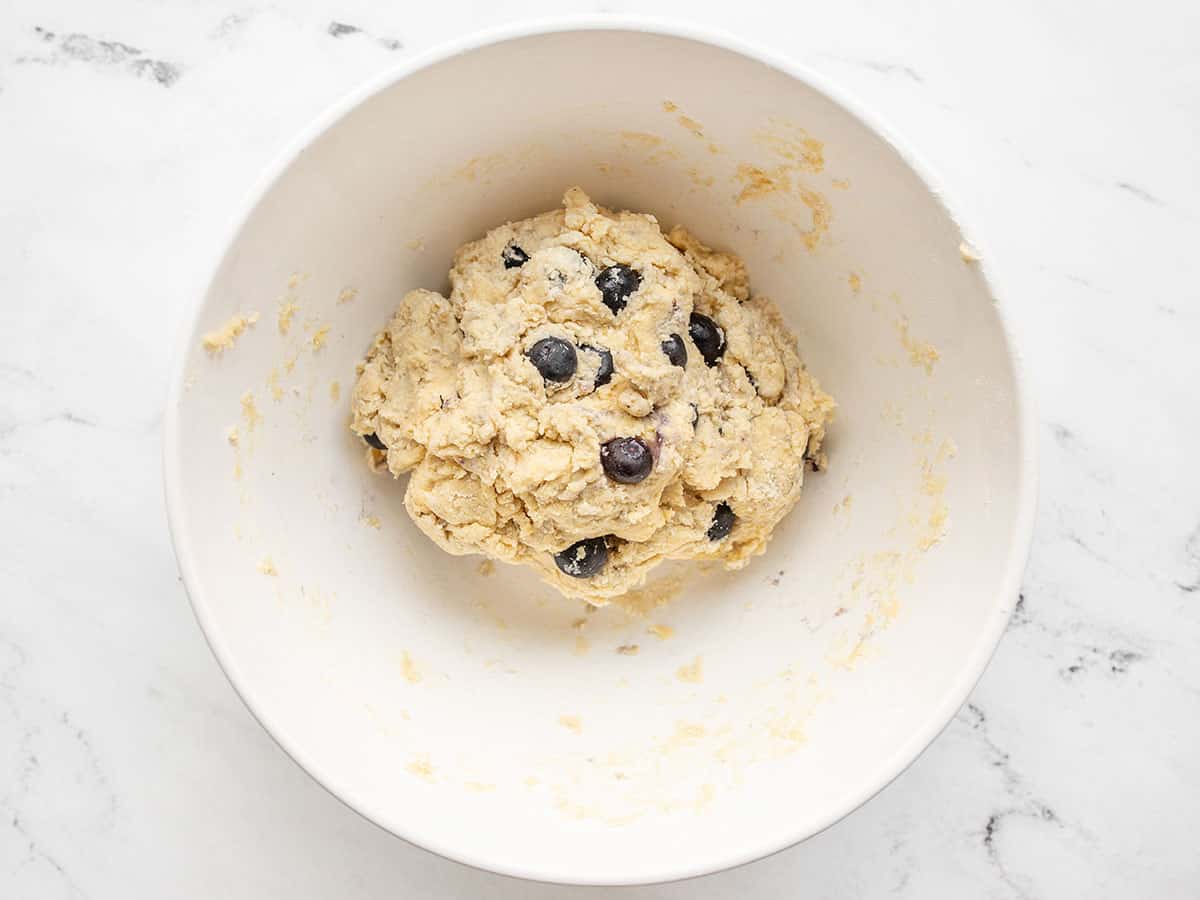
x=554 y=358
x=604 y=373
x=708 y=337
x=373 y=440
x=616 y=283
x=722 y=522
x=513 y=257
x=675 y=350
x=626 y=460
x=583 y=559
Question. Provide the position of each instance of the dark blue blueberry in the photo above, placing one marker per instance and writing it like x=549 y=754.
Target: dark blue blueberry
x=583 y=559
x=627 y=460
x=722 y=522
x=616 y=283
x=554 y=358
x=374 y=441
x=605 y=373
x=676 y=350
x=708 y=338
x=514 y=257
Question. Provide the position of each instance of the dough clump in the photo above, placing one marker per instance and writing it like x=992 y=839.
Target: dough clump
x=513 y=460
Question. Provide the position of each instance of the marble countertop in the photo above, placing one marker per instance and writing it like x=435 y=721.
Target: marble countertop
x=129 y=130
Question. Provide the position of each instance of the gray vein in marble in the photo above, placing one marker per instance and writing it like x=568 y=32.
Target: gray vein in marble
x=67 y=416
x=230 y=24
x=9 y=692
x=1139 y=192
x=1023 y=801
x=1191 y=551
x=879 y=66
x=83 y=48
x=343 y=29
x=36 y=852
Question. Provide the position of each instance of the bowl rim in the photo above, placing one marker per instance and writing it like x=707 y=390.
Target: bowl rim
x=936 y=718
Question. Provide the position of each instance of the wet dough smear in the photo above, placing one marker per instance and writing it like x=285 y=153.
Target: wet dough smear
x=593 y=397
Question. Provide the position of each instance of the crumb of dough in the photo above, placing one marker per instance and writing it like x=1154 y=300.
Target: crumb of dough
x=822 y=215
x=968 y=253
x=758 y=182
x=409 y=669
x=920 y=353
x=662 y=632
x=842 y=184
x=267 y=567
x=628 y=649
x=855 y=282
x=374 y=521
x=231 y=435
x=274 y=385
x=217 y=342
x=422 y=768
x=480 y=787
x=486 y=568
x=296 y=279
x=693 y=672
x=287 y=309
x=669 y=106
x=692 y=125
x=571 y=723
x=347 y=294
x=319 y=337
x=335 y=391
x=250 y=412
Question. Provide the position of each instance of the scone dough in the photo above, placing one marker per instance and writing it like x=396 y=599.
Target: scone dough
x=506 y=463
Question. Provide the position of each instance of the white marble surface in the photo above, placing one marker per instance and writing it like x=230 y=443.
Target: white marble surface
x=128 y=131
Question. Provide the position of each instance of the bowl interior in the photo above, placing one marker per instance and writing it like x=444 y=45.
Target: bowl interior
x=483 y=716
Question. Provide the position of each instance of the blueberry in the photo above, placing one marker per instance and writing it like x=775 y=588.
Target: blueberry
x=695 y=414
x=616 y=283
x=514 y=257
x=627 y=460
x=583 y=559
x=374 y=441
x=722 y=522
x=676 y=350
x=708 y=337
x=605 y=372
x=554 y=358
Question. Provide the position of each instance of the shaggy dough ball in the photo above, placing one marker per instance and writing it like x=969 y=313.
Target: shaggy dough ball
x=592 y=398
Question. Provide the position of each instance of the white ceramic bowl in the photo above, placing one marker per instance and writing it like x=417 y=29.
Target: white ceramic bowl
x=474 y=714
